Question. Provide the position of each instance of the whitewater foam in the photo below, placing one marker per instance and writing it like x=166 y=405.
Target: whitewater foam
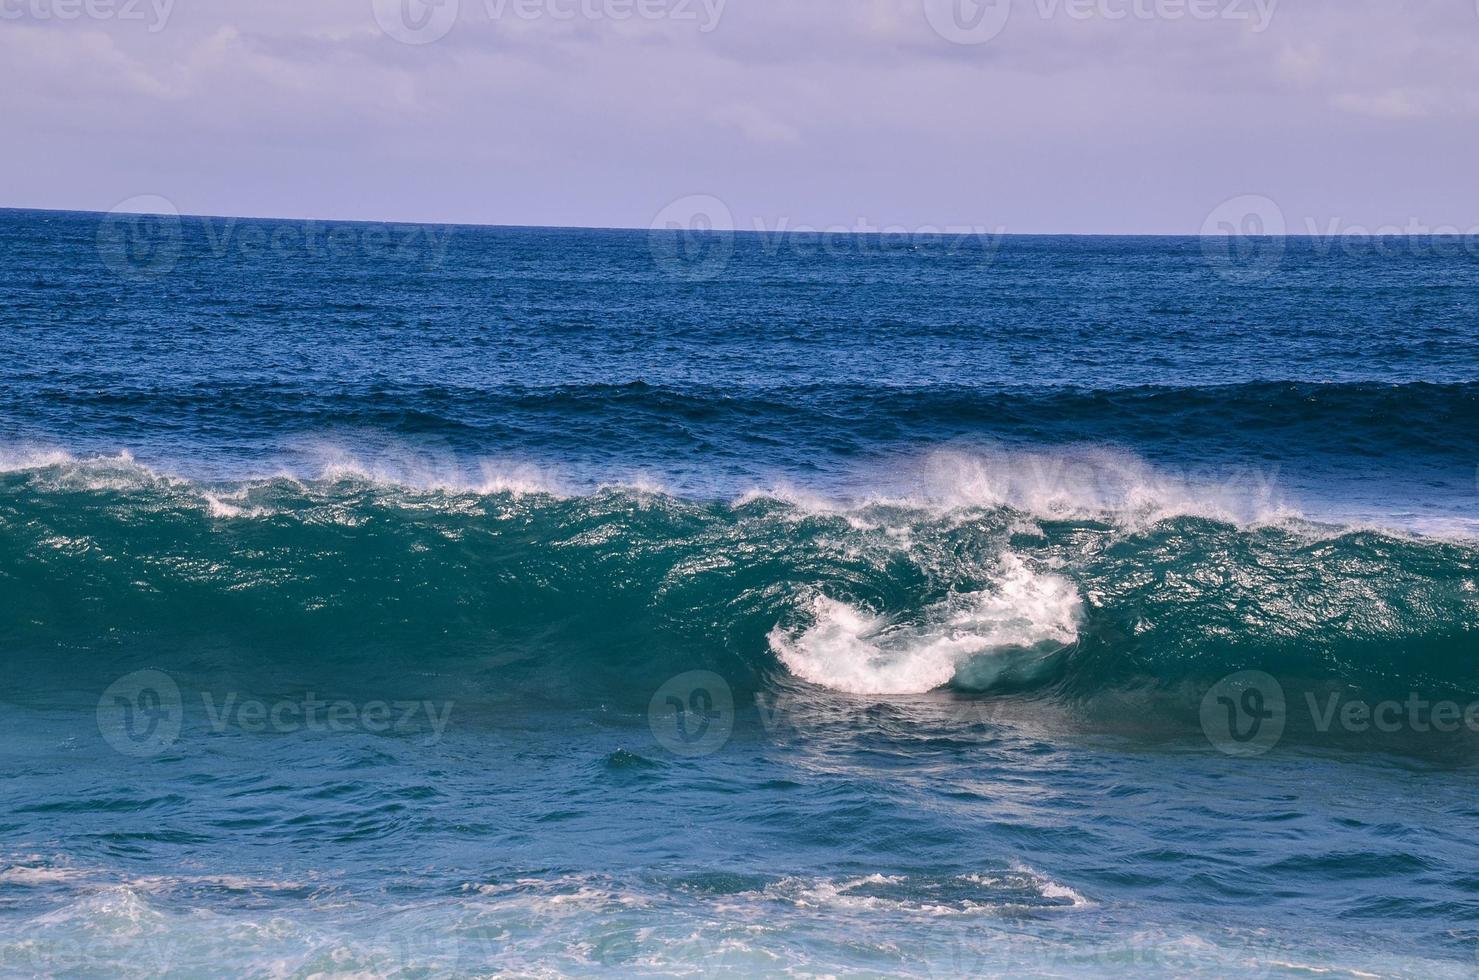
x=1076 y=483
x=1027 y=488
x=857 y=652
x=961 y=895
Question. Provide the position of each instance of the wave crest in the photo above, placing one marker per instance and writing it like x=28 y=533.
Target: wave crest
x=975 y=639
x=872 y=599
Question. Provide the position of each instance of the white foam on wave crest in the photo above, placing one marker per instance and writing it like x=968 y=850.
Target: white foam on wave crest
x=117 y=471
x=408 y=468
x=857 y=652
x=232 y=505
x=1094 y=482
x=437 y=467
x=1069 y=483
x=27 y=457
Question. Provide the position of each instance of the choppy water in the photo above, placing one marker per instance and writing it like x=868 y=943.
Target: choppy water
x=452 y=601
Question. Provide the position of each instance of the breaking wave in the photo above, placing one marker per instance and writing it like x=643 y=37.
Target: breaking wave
x=1068 y=575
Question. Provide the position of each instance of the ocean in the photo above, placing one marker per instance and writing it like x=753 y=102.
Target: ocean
x=408 y=601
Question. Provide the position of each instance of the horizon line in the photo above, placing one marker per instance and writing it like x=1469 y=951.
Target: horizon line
x=957 y=230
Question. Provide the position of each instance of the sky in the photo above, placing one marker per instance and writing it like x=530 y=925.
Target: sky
x=1016 y=116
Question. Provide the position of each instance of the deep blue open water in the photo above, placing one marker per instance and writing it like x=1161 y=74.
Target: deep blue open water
x=404 y=601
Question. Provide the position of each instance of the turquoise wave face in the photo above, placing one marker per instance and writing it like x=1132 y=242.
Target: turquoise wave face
x=616 y=590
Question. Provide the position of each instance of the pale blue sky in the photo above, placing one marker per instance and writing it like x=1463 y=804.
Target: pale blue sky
x=1068 y=116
